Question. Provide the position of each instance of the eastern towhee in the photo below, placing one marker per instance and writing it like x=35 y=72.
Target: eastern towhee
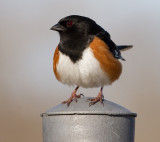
x=86 y=56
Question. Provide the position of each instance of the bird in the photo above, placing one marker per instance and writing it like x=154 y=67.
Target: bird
x=86 y=56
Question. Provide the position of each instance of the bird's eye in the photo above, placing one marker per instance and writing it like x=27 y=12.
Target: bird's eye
x=69 y=23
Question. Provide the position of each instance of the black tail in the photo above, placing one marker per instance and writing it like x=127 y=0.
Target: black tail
x=124 y=47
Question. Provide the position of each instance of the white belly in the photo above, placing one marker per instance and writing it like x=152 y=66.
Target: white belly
x=84 y=73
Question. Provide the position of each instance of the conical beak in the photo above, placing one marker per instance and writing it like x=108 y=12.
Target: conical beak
x=58 y=28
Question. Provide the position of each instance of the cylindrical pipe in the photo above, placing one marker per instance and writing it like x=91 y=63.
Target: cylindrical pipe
x=81 y=123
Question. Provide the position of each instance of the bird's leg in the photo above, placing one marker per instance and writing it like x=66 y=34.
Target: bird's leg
x=74 y=96
x=100 y=98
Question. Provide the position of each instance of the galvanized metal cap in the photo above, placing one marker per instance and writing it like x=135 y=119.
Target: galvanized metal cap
x=82 y=108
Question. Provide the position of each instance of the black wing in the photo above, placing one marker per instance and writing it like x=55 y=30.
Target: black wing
x=105 y=36
x=124 y=47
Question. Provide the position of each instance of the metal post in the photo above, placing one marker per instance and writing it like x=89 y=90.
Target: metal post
x=81 y=123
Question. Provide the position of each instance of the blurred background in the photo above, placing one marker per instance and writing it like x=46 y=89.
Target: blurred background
x=28 y=86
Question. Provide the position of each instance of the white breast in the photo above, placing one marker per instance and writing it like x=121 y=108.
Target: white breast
x=84 y=73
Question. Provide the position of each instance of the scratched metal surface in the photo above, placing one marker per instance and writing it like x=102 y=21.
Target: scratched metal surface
x=81 y=123
x=82 y=107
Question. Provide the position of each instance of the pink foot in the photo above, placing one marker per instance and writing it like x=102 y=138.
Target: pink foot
x=100 y=98
x=73 y=97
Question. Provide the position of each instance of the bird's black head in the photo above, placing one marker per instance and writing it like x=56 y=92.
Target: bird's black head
x=76 y=32
x=75 y=35
x=74 y=26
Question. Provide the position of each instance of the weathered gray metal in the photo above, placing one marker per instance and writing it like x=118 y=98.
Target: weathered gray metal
x=81 y=123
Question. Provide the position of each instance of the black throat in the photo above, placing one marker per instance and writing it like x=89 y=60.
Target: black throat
x=74 y=47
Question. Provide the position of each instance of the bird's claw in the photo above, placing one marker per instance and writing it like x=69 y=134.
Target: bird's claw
x=95 y=100
x=82 y=95
x=68 y=104
x=91 y=103
x=72 y=98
